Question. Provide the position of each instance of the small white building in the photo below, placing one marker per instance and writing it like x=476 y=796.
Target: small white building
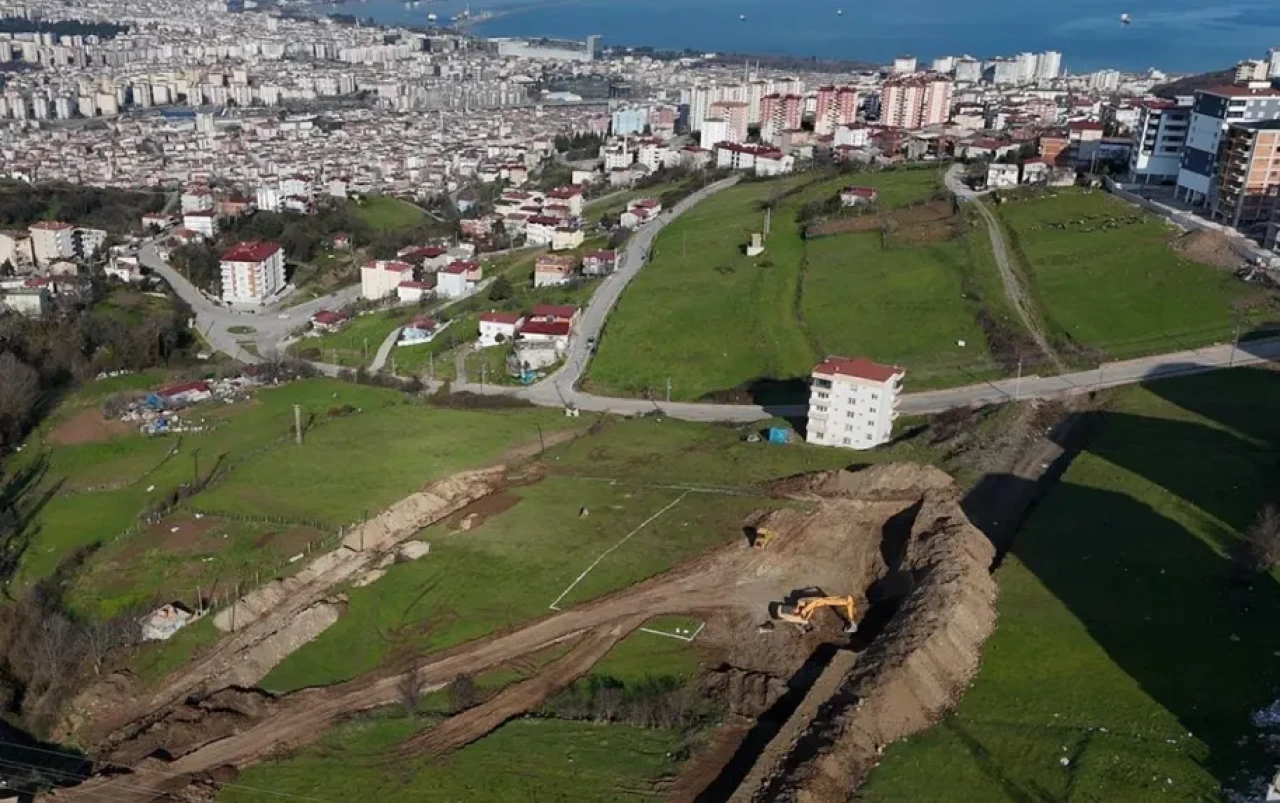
x=566 y=238
x=1002 y=175
x=497 y=328
x=412 y=292
x=859 y=196
x=568 y=196
x=31 y=302
x=550 y=271
x=203 y=223
x=853 y=402
x=1035 y=171
x=458 y=279
x=252 y=272
x=380 y=278
x=197 y=199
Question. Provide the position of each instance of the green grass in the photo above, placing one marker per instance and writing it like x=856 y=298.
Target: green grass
x=241 y=330
x=1122 y=291
x=700 y=282
x=512 y=567
x=541 y=760
x=132 y=307
x=1124 y=643
x=346 y=465
x=357 y=343
x=384 y=213
x=905 y=306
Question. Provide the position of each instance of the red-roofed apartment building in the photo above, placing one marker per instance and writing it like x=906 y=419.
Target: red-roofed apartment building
x=252 y=272
x=852 y=402
x=497 y=328
x=381 y=278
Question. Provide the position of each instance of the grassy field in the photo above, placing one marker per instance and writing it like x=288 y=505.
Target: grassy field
x=357 y=343
x=549 y=761
x=384 y=213
x=911 y=306
x=386 y=448
x=1126 y=644
x=533 y=543
x=699 y=281
x=1107 y=280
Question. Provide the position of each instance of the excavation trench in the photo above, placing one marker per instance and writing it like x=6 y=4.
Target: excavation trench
x=891 y=535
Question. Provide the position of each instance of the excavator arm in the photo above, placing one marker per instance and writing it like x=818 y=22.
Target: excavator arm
x=803 y=611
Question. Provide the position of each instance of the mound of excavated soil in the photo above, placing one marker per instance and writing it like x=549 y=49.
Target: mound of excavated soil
x=1209 y=247
x=912 y=673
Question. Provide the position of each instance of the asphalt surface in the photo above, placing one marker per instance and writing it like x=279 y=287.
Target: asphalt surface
x=273 y=325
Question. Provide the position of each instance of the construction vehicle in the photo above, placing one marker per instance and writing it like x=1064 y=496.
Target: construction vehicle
x=803 y=610
x=760 y=537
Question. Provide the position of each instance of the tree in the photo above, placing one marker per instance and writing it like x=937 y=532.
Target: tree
x=501 y=289
x=19 y=392
x=463 y=693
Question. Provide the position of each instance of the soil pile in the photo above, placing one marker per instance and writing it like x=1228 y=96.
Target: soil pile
x=912 y=673
x=1211 y=248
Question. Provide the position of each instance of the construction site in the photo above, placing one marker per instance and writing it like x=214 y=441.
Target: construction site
x=846 y=617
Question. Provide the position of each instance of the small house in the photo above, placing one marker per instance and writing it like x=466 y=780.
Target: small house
x=550 y=270
x=859 y=196
x=1002 y=175
x=556 y=333
x=555 y=313
x=497 y=328
x=329 y=320
x=419 y=330
x=412 y=292
x=458 y=279
x=599 y=263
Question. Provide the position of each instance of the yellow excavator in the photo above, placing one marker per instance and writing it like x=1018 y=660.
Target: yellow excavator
x=803 y=610
x=760 y=537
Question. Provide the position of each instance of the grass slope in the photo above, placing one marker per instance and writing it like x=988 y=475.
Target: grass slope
x=1125 y=646
x=526 y=760
x=1121 y=290
x=384 y=213
x=712 y=319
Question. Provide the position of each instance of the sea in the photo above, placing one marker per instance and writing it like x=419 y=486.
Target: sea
x=1176 y=36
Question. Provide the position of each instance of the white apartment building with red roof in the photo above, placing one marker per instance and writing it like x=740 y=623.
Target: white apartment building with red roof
x=252 y=272
x=853 y=402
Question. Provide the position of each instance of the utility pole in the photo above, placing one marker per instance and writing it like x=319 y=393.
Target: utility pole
x=195 y=477
x=432 y=369
x=297 y=424
x=366 y=348
x=668 y=390
x=1017 y=384
x=1235 y=344
x=542 y=445
x=393 y=365
x=484 y=374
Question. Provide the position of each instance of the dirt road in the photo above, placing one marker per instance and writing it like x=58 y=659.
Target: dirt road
x=1013 y=289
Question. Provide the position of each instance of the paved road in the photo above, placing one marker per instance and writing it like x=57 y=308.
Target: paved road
x=1013 y=288
x=561 y=387
x=271 y=325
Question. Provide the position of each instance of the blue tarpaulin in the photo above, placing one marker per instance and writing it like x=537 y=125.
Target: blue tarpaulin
x=779 y=435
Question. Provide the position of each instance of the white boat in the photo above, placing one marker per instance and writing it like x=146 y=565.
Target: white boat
x=1125 y=19
x=742 y=17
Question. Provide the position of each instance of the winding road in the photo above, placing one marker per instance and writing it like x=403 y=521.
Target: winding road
x=272 y=327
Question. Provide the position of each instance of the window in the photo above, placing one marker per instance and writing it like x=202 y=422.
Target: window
x=875 y=396
x=820 y=408
x=868 y=436
x=847 y=441
x=821 y=395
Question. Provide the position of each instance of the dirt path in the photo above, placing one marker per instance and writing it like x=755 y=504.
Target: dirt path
x=843 y=547
x=1013 y=289
x=520 y=698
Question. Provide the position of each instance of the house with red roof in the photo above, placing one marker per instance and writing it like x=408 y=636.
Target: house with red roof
x=853 y=402
x=497 y=328
x=379 y=279
x=555 y=313
x=329 y=320
x=859 y=196
x=458 y=279
x=599 y=263
x=412 y=292
x=554 y=332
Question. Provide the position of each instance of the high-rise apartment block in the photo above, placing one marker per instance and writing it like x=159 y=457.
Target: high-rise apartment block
x=1158 y=139
x=1211 y=113
x=915 y=101
x=836 y=106
x=252 y=272
x=780 y=113
x=1247 y=178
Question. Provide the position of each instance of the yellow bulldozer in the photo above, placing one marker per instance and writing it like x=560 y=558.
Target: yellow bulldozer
x=759 y=537
x=804 y=609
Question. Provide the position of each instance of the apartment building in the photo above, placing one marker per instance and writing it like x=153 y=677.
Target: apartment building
x=379 y=279
x=836 y=106
x=780 y=113
x=52 y=240
x=252 y=272
x=1248 y=175
x=735 y=114
x=915 y=101
x=1211 y=112
x=1159 y=135
x=853 y=402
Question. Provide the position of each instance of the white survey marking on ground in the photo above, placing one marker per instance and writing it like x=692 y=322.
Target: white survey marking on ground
x=691 y=637
x=555 y=605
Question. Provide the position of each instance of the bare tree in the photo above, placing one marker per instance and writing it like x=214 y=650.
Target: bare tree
x=410 y=689
x=463 y=692
x=19 y=392
x=1262 y=540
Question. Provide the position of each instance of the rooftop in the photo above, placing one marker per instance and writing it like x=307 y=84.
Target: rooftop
x=858 y=368
x=251 y=251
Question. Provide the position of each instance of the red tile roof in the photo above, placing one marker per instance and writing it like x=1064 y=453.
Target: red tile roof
x=251 y=251
x=557 y=311
x=461 y=267
x=858 y=367
x=329 y=317
x=861 y=192
x=50 y=225
x=556 y=329
x=183 y=387
x=509 y=318
x=425 y=324
x=1242 y=92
